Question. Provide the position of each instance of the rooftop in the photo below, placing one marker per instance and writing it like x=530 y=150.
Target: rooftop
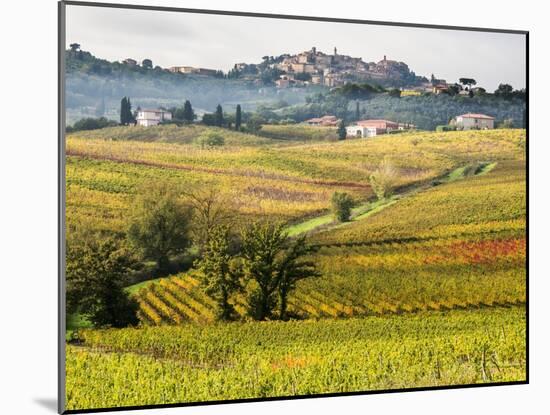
x=483 y=116
x=323 y=118
x=376 y=123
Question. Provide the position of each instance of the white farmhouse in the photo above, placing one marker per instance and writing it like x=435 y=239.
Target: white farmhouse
x=360 y=131
x=475 y=122
x=147 y=118
x=371 y=128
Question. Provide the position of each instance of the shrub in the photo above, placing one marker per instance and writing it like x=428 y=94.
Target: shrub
x=383 y=179
x=341 y=206
x=210 y=139
x=254 y=124
x=441 y=128
x=91 y=124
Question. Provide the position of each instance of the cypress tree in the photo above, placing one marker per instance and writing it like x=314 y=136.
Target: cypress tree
x=123 y=106
x=342 y=133
x=238 y=117
x=129 y=116
x=219 y=115
x=188 y=113
x=126 y=116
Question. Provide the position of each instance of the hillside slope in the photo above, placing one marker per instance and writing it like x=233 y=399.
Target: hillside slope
x=290 y=182
x=458 y=245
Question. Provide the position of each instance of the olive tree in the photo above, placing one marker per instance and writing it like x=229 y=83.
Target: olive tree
x=159 y=224
x=273 y=264
x=96 y=273
x=384 y=179
x=341 y=206
x=219 y=276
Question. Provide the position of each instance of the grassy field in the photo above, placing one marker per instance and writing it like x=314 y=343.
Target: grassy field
x=192 y=363
x=105 y=168
x=294 y=132
x=170 y=134
x=424 y=288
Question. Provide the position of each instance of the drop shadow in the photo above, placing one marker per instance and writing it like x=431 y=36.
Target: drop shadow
x=48 y=403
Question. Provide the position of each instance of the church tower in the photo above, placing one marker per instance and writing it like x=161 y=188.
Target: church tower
x=335 y=52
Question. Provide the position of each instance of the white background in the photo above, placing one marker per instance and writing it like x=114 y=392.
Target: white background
x=28 y=228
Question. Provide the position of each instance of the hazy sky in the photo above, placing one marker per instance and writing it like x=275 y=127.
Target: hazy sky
x=218 y=42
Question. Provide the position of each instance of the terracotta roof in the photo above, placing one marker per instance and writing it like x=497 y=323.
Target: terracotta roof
x=483 y=116
x=323 y=118
x=377 y=123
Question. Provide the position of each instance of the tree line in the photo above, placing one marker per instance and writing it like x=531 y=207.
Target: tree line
x=257 y=260
x=180 y=115
x=350 y=103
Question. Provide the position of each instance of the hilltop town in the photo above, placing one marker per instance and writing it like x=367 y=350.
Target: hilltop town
x=314 y=67
x=318 y=68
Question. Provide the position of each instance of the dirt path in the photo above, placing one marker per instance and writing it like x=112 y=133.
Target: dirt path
x=327 y=222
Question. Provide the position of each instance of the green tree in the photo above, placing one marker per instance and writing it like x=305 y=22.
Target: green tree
x=91 y=124
x=273 y=265
x=357 y=111
x=147 y=63
x=467 y=82
x=480 y=91
x=341 y=206
x=453 y=89
x=177 y=113
x=342 y=133
x=262 y=242
x=384 y=179
x=123 y=111
x=126 y=116
x=210 y=210
x=292 y=268
x=219 y=116
x=238 y=118
x=74 y=47
x=97 y=271
x=219 y=277
x=254 y=123
x=209 y=119
x=159 y=224
x=188 y=113
x=504 y=90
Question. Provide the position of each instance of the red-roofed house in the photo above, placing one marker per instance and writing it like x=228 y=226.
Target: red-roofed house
x=475 y=122
x=380 y=124
x=371 y=128
x=325 y=121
